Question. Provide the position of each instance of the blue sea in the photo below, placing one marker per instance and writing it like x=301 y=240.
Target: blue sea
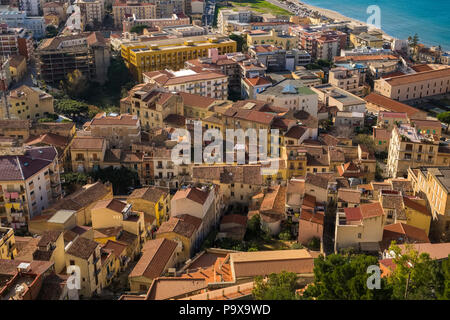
x=400 y=18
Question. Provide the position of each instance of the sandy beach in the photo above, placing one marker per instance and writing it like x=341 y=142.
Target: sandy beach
x=336 y=16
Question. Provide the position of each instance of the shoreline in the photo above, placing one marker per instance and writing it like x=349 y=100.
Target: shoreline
x=334 y=15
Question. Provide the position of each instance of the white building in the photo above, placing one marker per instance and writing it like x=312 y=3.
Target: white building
x=360 y=227
x=31 y=7
x=292 y=95
x=29 y=183
x=19 y=19
x=332 y=96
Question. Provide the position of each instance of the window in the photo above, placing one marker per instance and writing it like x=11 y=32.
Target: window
x=359 y=235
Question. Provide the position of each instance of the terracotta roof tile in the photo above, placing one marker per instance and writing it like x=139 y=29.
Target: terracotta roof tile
x=155 y=257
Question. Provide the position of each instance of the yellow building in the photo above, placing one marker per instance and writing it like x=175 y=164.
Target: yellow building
x=117 y=234
x=17 y=67
x=114 y=213
x=171 y=53
x=408 y=148
x=151 y=104
x=30 y=103
x=152 y=201
x=432 y=182
x=87 y=153
x=85 y=254
x=51 y=248
x=373 y=39
x=81 y=201
x=182 y=230
x=417 y=213
x=296 y=162
x=157 y=257
x=259 y=37
x=8 y=249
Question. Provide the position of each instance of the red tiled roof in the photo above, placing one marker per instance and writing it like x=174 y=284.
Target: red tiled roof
x=391 y=105
x=155 y=257
x=258 y=81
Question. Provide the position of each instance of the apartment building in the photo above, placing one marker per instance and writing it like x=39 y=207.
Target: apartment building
x=360 y=227
x=332 y=96
x=320 y=43
x=409 y=148
x=87 y=52
x=29 y=182
x=414 y=86
x=283 y=40
x=433 y=184
x=120 y=131
x=136 y=9
x=348 y=79
x=236 y=183
x=372 y=39
x=31 y=7
x=29 y=103
x=92 y=12
x=86 y=255
x=153 y=201
x=87 y=153
x=20 y=19
x=200 y=203
x=204 y=83
x=15 y=41
x=278 y=59
x=224 y=16
x=112 y=213
x=171 y=53
x=17 y=67
x=173 y=20
x=226 y=64
x=56 y=8
x=151 y=104
x=291 y=94
x=8 y=248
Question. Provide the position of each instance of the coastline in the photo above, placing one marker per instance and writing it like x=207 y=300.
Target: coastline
x=334 y=15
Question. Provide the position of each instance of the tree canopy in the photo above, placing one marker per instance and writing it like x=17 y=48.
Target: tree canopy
x=279 y=286
x=417 y=276
x=121 y=179
x=365 y=140
x=445 y=118
x=138 y=29
x=344 y=277
x=72 y=180
x=241 y=42
x=75 y=85
x=69 y=107
x=51 y=31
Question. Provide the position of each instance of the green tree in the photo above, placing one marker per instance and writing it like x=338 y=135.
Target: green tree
x=416 y=276
x=121 y=179
x=72 y=180
x=69 y=107
x=445 y=118
x=344 y=277
x=76 y=84
x=279 y=286
x=254 y=227
x=138 y=29
x=51 y=31
x=365 y=140
x=413 y=43
x=241 y=42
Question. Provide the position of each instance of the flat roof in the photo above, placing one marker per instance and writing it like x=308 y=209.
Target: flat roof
x=61 y=216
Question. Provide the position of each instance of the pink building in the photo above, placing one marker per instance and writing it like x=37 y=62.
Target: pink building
x=310 y=224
